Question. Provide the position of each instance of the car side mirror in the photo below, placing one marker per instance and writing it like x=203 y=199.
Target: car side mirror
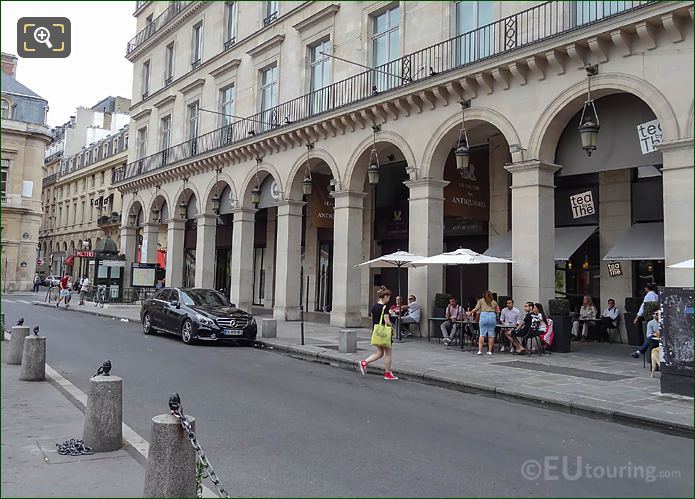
x=175 y=303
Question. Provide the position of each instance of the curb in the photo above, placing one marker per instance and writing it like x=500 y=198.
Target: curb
x=82 y=311
x=572 y=405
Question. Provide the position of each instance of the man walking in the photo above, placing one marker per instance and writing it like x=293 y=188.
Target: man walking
x=37 y=281
x=64 y=291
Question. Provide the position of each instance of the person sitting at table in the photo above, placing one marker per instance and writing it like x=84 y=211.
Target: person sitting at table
x=487 y=310
x=521 y=330
x=398 y=308
x=413 y=314
x=509 y=316
x=608 y=320
x=454 y=312
x=586 y=313
x=653 y=336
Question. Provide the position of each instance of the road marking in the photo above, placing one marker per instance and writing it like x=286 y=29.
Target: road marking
x=24 y=301
x=129 y=435
x=7 y=301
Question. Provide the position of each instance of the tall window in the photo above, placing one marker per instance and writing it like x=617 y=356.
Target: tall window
x=5 y=109
x=145 y=79
x=74 y=213
x=82 y=214
x=227 y=104
x=197 y=47
x=386 y=47
x=320 y=77
x=103 y=175
x=169 y=63
x=165 y=133
x=269 y=95
x=230 y=24
x=587 y=12
x=193 y=114
x=477 y=40
x=4 y=172
x=142 y=142
x=270 y=12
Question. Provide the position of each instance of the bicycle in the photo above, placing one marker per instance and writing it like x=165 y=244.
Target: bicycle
x=52 y=294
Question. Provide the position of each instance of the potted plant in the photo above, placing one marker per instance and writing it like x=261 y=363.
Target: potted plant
x=559 y=310
x=441 y=301
x=634 y=334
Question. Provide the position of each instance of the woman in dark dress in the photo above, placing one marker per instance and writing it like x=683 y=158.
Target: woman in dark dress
x=380 y=315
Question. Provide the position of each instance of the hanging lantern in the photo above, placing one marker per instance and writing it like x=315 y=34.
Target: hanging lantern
x=183 y=209
x=256 y=196
x=373 y=170
x=569 y=264
x=307 y=183
x=156 y=215
x=585 y=265
x=588 y=123
x=216 y=204
x=462 y=152
x=131 y=217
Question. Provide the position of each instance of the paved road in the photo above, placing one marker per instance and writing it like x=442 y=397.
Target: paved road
x=277 y=426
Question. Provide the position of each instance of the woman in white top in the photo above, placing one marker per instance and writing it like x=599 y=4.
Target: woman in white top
x=586 y=312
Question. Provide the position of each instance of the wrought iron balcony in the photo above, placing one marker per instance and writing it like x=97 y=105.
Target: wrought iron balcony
x=50 y=180
x=229 y=43
x=272 y=17
x=157 y=24
x=53 y=156
x=113 y=219
x=531 y=26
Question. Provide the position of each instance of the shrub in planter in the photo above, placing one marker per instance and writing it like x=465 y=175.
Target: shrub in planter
x=441 y=300
x=502 y=301
x=559 y=307
x=559 y=311
x=649 y=309
x=632 y=304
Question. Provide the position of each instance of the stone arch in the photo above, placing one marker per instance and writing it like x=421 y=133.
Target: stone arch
x=159 y=197
x=185 y=192
x=318 y=156
x=546 y=133
x=264 y=169
x=358 y=163
x=688 y=131
x=446 y=136
x=223 y=179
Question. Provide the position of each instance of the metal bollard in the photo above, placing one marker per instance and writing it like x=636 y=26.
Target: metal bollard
x=171 y=461
x=269 y=328
x=34 y=358
x=103 y=421
x=14 y=356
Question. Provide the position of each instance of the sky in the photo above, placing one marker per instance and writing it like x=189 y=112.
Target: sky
x=97 y=66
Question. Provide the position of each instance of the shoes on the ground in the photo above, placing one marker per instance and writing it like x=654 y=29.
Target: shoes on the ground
x=447 y=341
x=363 y=366
x=57 y=305
x=389 y=376
x=489 y=353
x=635 y=354
x=480 y=353
x=501 y=349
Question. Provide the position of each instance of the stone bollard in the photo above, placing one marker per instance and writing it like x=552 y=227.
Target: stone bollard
x=103 y=419
x=14 y=357
x=171 y=460
x=34 y=358
x=347 y=341
x=269 y=328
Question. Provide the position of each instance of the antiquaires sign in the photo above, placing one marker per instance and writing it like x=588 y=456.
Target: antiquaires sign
x=582 y=204
x=320 y=202
x=468 y=194
x=649 y=135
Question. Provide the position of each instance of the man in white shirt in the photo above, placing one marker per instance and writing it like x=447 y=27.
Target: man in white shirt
x=609 y=320
x=509 y=316
x=650 y=296
x=413 y=316
x=84 y=288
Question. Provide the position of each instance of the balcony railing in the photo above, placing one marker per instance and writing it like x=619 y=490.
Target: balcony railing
x=53 y=156
x=50 y=180
x=113 y=219
x=139 y=3
x=537 y=24
x=157 y=24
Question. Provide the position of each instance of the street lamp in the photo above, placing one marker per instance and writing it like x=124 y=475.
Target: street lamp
x=462 y=152
x=256 y=191
x=588 y=123
x=216 y=196
x=183 y=209
x=373 y=170
x=307 y=183
x=131 y=217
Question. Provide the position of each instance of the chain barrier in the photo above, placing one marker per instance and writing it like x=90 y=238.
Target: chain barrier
x=177 y=411
x=74 y=447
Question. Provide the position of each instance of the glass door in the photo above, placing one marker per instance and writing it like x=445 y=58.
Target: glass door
x=474 y=43
x=258 y=276
x=324 y=288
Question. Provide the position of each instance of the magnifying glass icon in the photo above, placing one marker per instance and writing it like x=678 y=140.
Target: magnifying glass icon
x=42 y=35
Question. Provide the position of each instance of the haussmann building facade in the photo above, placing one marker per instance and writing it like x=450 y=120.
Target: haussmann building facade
x=275 y=141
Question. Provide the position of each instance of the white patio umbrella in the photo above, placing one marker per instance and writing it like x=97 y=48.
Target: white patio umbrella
x=399 y=259
x=688 y=264
x=460 y=257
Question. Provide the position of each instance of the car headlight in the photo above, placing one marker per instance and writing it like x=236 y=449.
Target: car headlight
x=253 y=321
x=204 y=320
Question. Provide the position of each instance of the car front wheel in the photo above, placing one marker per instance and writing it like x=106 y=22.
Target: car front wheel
x=187 y=332
x=147 y=324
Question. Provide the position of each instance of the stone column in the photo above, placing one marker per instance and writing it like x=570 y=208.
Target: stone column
x=426 y=238
x=499 y=211
x=347 y=249
x=205 y=251
x=242 y=258
x=533 y=230
x=129 y=247
x=678 y=208
x=176 y=229
x=615 y=220
x=288 y=257
x=150 y=238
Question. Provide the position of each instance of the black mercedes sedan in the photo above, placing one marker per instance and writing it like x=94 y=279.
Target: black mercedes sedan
x=196 y=314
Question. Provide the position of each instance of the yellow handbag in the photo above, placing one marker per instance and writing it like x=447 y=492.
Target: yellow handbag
x=381 y=334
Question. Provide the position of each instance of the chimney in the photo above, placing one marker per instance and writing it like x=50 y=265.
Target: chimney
x=9 y=64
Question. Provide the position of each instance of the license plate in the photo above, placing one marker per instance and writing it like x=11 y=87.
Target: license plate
x=233 y=332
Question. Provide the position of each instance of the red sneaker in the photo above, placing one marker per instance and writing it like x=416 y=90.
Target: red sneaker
x=363 y=366
x=389 y=376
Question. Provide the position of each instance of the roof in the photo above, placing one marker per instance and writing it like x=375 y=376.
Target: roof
x=12 y=86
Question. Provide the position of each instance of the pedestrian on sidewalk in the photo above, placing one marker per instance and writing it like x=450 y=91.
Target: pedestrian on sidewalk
x=488 y=309
x=84 y=289
x=64 y=291
x=37 y=281
x=382 y=332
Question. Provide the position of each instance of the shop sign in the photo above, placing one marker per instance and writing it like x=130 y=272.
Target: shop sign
x=649 y=135
x=320 y=202
x=582 y=204
x=85 y=254
x=614 y=269
x=468 y=195
x=112 y=263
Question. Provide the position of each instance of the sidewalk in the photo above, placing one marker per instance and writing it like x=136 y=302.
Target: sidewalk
x=36 y=416
x=599 y=380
